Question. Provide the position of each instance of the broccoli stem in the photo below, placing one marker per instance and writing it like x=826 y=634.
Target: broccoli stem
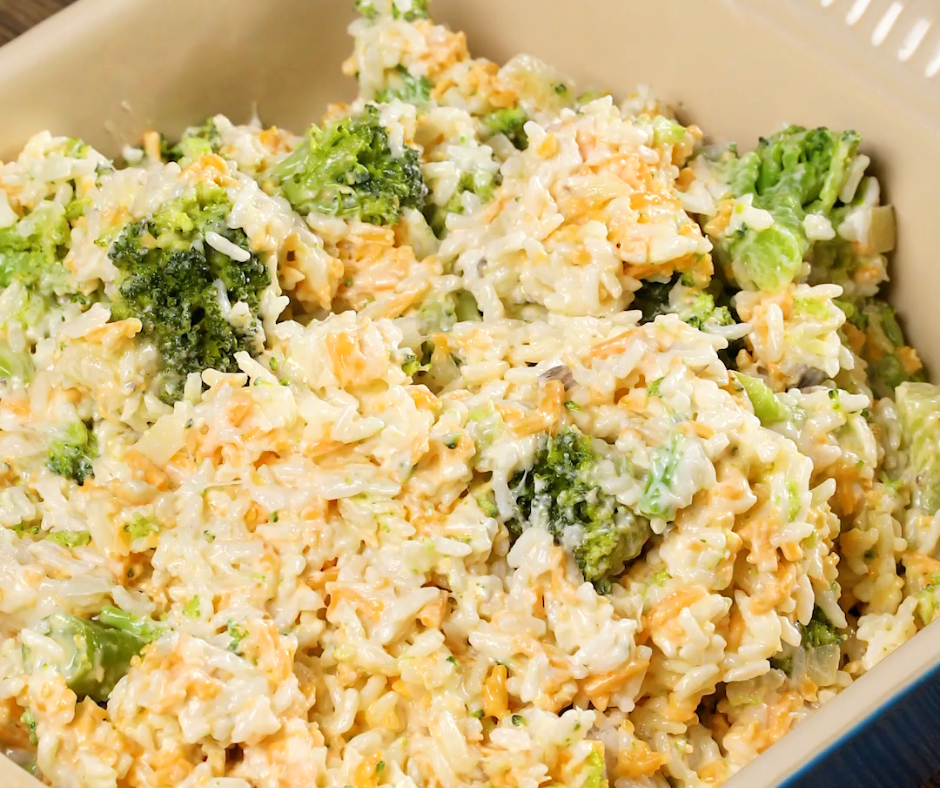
x=140 y=626
x=767 y=407
x=72 y=454
x=96 y=655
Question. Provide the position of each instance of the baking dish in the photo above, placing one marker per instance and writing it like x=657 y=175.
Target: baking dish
x=106 y=69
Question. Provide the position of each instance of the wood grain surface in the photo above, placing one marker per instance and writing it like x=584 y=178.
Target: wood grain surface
x=17 y=16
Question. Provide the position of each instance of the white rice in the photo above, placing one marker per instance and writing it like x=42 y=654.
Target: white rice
x=329 y=559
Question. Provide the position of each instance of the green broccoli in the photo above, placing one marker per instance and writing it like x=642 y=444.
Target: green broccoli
x=15 y=365
x=560 y=492
x=196 y=141
x=141 y=527
x=850 y=263
x=32 y=253
x=819 y=631
x=667 y=131
x=817 y=656
x=928 y=597
x=193 y=607
x=702 y=312
x=27 y=528
x=656 y=500
x=404 y=86
x=890 y=360
x=77 y=148
x=237 y=632
x=69 y=539
x=485 y=425
x=457 y=307
x=595 y=771
x=347 y=169
x=483 y=185
x=29 y=721
x=411 y=365
x=791 y=174
x=699 y=308
x=408 y=10
x=919 y=415
x=652 y=299
x=767 y=407
x=71 y=455
x=367 y=9
x=142 y=627
x=174 y=282
x=783 y=662
x=508 y=122
x=97 y=655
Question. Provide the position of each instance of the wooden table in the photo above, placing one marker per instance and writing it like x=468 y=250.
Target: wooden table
x=17 y=16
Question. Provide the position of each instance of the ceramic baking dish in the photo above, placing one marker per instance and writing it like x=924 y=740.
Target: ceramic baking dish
x=105 y=70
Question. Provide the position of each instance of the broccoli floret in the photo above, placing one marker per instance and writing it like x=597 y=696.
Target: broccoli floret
x=96 y=654
x=890 y=361
x=196 y=141
x=485 y=426
x=698 y=308
x=560 y=492
x=849 y=263
x=702 y=312
x=141 y=527
x=404 y=86
x=819 y=631
x=418 y=10
x=652 y=299
x=15 y=365
x=31 y=253
x=72 y=454
x=817 y=656
x=508 y=122
x=791 y=174
x=175 y=283
x=411 y=365
x=919 y=416
x=657 y=499
x=77 y=148
x=784 y=663
x=928 y=597
x=408 y=10
x=483 y=185
x=347 y=169
x=457 y=307
x=367 y=9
